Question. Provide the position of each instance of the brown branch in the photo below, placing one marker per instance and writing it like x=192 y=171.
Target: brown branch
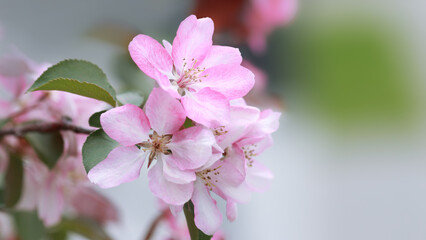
x=44 y=128
x=155 y=223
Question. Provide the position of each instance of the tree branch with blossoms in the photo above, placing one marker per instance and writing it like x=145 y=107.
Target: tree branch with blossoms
x=195 y=131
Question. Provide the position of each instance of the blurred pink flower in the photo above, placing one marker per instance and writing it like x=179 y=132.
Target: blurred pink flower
x=204 y=77
x=264 y=16
x=64 y=188
x=157 y=135
x=236 y=174
x=17 y=73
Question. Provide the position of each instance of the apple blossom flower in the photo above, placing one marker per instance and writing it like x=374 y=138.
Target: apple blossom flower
x=237 y=173
x=204 y=77
x=154 y=134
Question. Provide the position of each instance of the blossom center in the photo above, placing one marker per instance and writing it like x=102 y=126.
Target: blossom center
x=249 y=153
x=209 y=176
x=190 y=75
x=156 y=144
x=221 y=130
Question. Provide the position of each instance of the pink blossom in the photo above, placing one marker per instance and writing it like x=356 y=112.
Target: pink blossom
x=265 y=15
x=64 y=188
x=17 y=72
x=237 y=173
x=204 y=77
x=154 y=134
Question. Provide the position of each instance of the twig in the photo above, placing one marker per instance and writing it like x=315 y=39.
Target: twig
x=44 y=128
x=155 y=223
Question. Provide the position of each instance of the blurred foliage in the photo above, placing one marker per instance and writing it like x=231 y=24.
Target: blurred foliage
x=349 y=72
x=30 y=227
x=48 y=146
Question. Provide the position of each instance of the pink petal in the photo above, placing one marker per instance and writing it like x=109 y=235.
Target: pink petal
x=230 y=177
x=268 y=121
x=258 y=177
x=152 y=59
x=165 y=113
x=50 y=202
x=193 y=41
x=222 y=55
x=207 y=215
x=175 y=210
x=169 y=192
x=174 y=174
x=88 y=203
x=238 y=102
x=123 y=164
x=257 y=144
x=231 y=210
x=231 y=80
x=127 y=124
x=207 y=107
x=168 y=46
x=241 y=118
x=192 y=147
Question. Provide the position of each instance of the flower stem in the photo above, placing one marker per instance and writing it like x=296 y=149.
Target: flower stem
x=194 y=232
x=155 y=224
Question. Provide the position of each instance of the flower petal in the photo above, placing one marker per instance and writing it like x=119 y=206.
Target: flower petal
x=268 y=121
x=258 y=177
x=88 y=203
x=168 y=46
x=192 y=147
x=222 y=55
x=123 y=164
x=50 y=202
x=169 y=192
x=152 y=59
x=229 y=178
x=174 y=174
x=241 y=118
x=231 y=80
x=164 y=112
x=207 y=215
x=207 y=107
x=127 y=124
x=231 y=210
x=193 y=41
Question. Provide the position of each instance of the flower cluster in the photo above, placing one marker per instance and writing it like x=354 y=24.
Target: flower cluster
x=65 y=187
x=196 y=132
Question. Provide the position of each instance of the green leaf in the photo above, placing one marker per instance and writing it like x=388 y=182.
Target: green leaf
x=13 y=181
x=96 y=148
x=48 y=146
x=79 y=77
x=28 y=226
x=134 y=98
x=3 y=122
x=194 y=232
x=94 y=120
